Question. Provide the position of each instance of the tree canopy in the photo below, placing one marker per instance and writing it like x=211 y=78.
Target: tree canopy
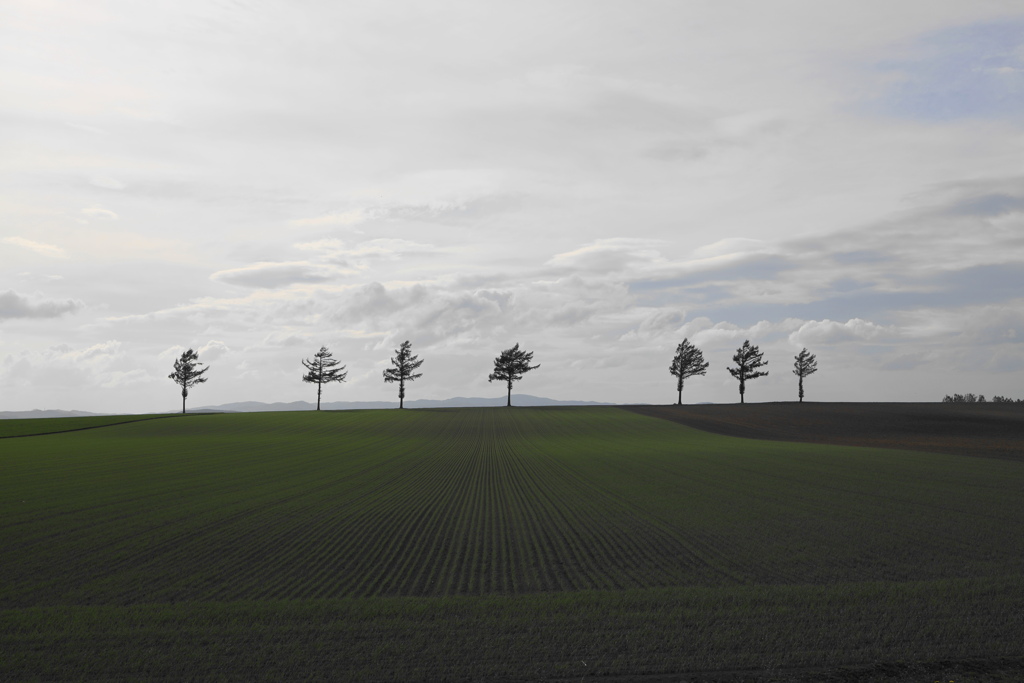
x=510 y=367
x=748 y=359
x=187 y=374
x=404 y=369
x=323 y=369
x=688 y=362
x=805 y=364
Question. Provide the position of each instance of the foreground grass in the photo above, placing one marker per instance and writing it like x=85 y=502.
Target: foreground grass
x=470 y=543
x=542 y=636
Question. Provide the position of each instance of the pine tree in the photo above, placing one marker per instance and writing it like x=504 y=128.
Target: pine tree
x=748 y=359
x=805 y=364
x=404 y=371
x=688 y=362
x=187 y=374
x=510 y=367
x=323 y=370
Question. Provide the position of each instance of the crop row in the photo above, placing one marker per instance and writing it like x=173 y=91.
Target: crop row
x=478 y=502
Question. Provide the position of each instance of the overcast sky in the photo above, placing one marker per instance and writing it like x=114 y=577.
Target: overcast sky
x=594 y=180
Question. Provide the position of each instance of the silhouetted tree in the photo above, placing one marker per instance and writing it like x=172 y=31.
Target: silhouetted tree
x=688 y=362
x=404 y=371
x=805 y=364
x=748 y=359
x=187 y=374
x=510 y=367
x=323 y=370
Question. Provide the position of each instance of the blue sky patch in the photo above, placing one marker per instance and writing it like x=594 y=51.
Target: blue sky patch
x=972 y=71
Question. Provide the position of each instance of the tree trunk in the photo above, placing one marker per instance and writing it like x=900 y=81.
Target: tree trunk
x=801 y=388
x=680 y=401
x=183 y=395
x=741 y=390
x=508 y=403
x=319 y=386
x=401 y=394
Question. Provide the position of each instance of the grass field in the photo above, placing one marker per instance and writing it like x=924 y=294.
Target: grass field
x=519 y=544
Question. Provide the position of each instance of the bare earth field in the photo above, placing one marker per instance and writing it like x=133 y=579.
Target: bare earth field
x=992 y=430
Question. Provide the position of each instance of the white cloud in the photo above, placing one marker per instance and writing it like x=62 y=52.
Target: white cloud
x=101 y=213
x=826 y=331
x=172 y=352
x=119 y=378
x=212 y=350
x=101 y=351
x=64 y=370
x=432 y=191
x=732 y=246
x=657 y=325
x=14 y=305
x=273 y=275
x=345 y=218
x=609 y=255
x=723 y=333
x=107 y=183
x=38 y=247
x=285 y=339
x=334 y=251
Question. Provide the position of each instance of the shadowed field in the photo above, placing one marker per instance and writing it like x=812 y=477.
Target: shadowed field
x=521 y=544
x=994 y=430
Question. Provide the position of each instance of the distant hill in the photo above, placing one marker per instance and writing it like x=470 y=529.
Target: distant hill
x=524 y=400
x=23 y=414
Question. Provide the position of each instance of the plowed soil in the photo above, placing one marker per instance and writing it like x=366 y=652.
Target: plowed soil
x=992 y=430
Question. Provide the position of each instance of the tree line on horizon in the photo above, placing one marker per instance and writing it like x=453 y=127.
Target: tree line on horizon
x=980 y=398
x=509 y=367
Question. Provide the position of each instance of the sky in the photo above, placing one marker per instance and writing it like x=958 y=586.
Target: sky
x=596 y=181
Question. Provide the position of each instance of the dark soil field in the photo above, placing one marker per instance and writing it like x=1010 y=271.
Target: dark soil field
x=992 y=430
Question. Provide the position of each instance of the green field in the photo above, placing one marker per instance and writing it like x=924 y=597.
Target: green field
x=521 y=544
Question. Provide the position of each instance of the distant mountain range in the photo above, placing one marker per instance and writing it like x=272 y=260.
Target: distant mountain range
x=23 y=414
x=524 y=400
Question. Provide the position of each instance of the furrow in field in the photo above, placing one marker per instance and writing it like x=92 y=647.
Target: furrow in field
x=594 y=529
x=437 y=537
x=543 y=563
x=428 y=491
x=113 y=533
x=411 y=552
x=622 y=548
x=355 y=523
x=218 y=543
x=713 y=557
x=234 y=545
x=552 y=555
x=349 y=531
x=637 y=543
